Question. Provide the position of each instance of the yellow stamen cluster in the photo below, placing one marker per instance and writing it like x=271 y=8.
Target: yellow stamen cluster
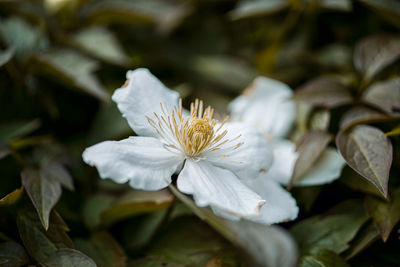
x=192 y=135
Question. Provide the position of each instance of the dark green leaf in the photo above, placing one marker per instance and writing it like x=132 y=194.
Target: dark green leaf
x=309 y=149
x=71 y=69
x=374 y=53
x=93 y=207
x=385 y=214
x=6 y=55
x=267 y=246
x=13 y=130
x=136 y=202
x=103 y=249
x=356 y=182
x=389 y=10
x=42 y=190
x=66 y=257
x=246 y=8
x=365 y=237
x=324 y=92
x=369 y=152
x=57 y=172
x=384 y=95
x=12 y=254
x=332 y=230
x=322 y=258
x=40 y=243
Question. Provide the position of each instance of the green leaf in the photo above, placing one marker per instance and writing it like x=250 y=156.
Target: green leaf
x=6 y=55
x=42 y=190
x=55 y=171
x=374 y=53
x=102 y=44
x=40 y=243
x=71 y=69
x=66 y=257
x=136 y=202
x=322 y=258
x=332 y=230
x=12 y=197
x=365 y=237
x=93 y=207
x=324 y=92
x=384 y=95
x=356 y=182
x=388 y=10
x=246 y=8
x=395 y=131
x=12 y=130
x=340 y=5
x=309 y=149
x=103 y=249
x=12 y=254
x=268 y=246
x=385 y=214
x=363 y=115
x=369 y=152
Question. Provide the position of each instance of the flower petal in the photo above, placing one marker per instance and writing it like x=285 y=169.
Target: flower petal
x=142 y=97
x=251 y=159
x=142 y=160
x=279 y=205
x=327 y=169
x=214 y=186
x=266 y=106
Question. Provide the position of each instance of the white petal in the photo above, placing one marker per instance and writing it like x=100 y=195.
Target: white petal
x=266 y=105
x=279 y=205
x=251 y=159
x=214 y=186
x=285 y=157
x=327 y=169
x=142 y=97
x=142 y=160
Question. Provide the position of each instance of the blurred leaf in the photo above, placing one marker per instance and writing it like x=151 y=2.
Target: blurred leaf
x=369 y=152
x=42 y=190
x=374 y=53
x=103 y=249
x=93 y=207
x=248 y=8
x=340 y=5
x=5 y=150
x=324 y=92
x=12 y=197
x=384 y=95
x=362 y=115
x=320 y=120
x=13 y=130
x=21 y=36
x=40 y=243
x=102 y=44
x=385 y=214
x=395 y=131
x=66 y=257
x=321 y=257
x=357 y=182
x=306 y=196
x=267 y=246
x=332 y=230
x=136 y=202
x=6 y=55
x=388 y=9
x=365 y=237
x=12 y=254
x=54 y=170
x=71 y=69
x=309 y=149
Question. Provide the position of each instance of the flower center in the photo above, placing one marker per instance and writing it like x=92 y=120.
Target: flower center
x=193 y=135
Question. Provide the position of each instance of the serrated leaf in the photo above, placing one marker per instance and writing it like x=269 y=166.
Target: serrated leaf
x=385 y=214
x=374 y=53
x=309 y=149
x=102 y=44
x=369 y=152
x=40 y=243
x=324 y=92
x=43 y=191
x=246 y=8
x=12 y=198
x=12 y=130
x=71 y=69
x=322 y=258
x=388 y=10
x=365 y=237
x=332 y=230
x=66 y=257
x=384 y=95
x=267 y=246
x=12 y=254
x=103 y=249
x=136 y=202
x=6 y=55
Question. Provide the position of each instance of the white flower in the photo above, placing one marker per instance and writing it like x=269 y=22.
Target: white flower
x=212 y=159
x=266 y=105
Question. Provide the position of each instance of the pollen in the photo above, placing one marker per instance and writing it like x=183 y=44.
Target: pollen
x=193 y=135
